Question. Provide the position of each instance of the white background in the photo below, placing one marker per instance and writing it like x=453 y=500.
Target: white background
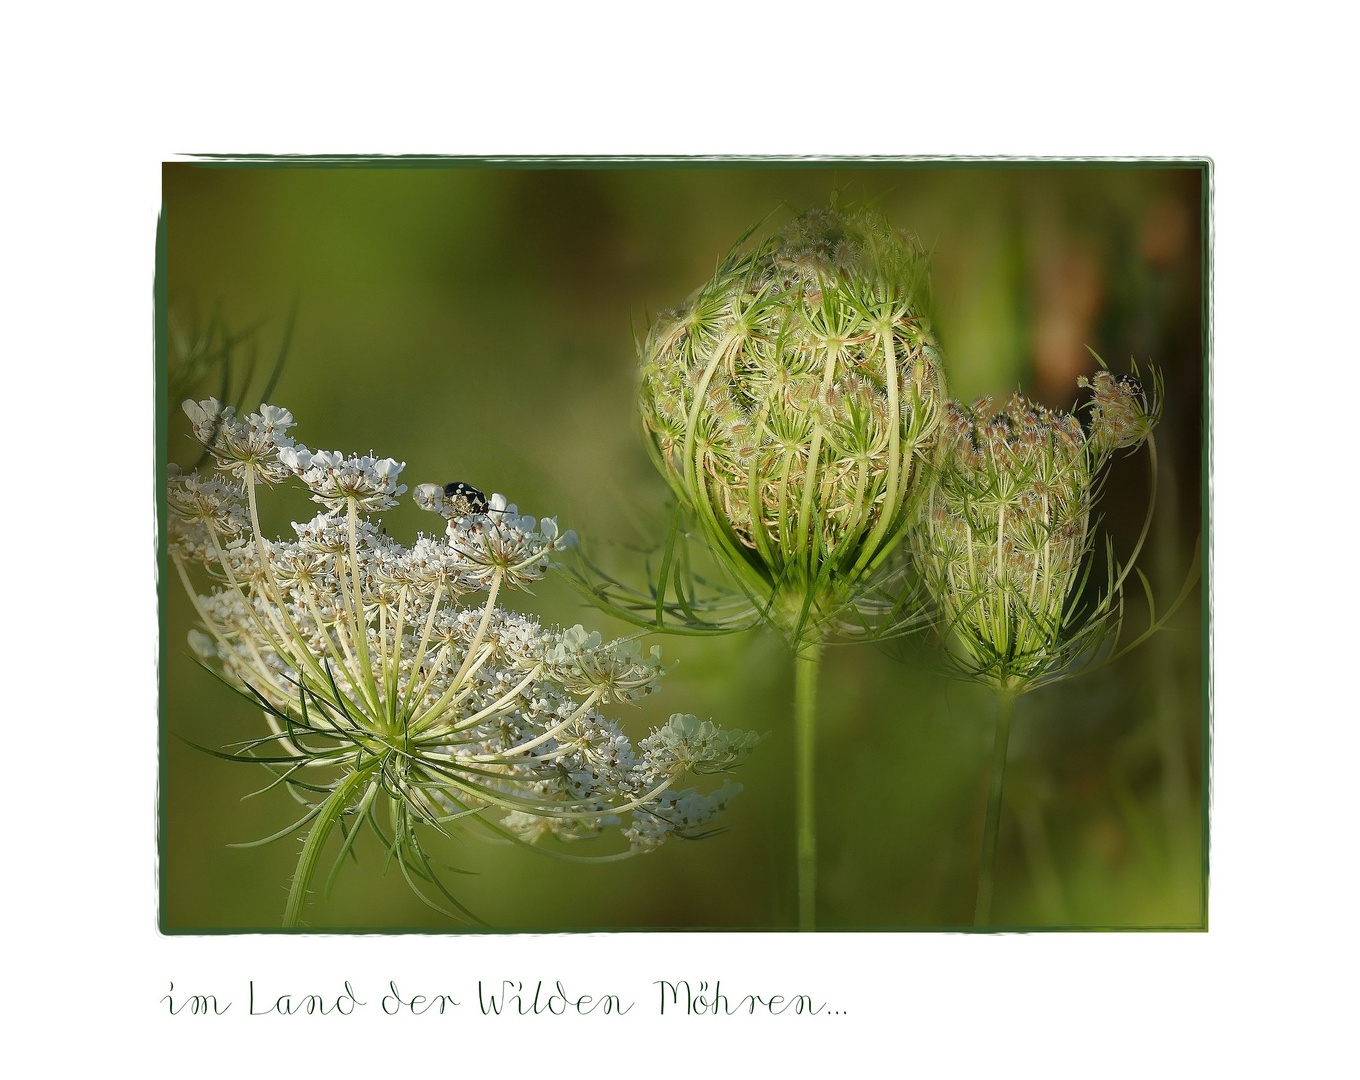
x=95 y=97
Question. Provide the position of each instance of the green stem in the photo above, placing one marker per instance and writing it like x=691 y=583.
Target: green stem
x=1005 y=704
x=805 y=665
x=331 y=809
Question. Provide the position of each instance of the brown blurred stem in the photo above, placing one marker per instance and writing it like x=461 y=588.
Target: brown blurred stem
x=1005 y=705
x=805 y=665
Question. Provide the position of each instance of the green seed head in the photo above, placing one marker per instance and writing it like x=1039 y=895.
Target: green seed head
x=792 y=401
x=1005 y=536
x=1121 y=415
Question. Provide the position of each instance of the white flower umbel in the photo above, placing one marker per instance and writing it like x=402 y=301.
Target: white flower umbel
x=398 y=698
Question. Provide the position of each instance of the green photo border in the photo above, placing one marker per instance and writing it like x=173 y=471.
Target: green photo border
x=1203 y=165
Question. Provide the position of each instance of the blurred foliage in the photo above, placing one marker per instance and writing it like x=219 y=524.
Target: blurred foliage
x=208 y=357
x=478 y=323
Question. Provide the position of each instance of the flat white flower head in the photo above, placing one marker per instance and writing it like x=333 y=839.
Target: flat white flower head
x=383 y=683
x=504 y=542
x=334 y=479
x=584 y=661
x=239 y=444
x=688 y=744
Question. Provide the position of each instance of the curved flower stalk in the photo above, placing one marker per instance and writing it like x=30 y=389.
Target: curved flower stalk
x=1006 y=543
x=397 y=693
x=793 y=403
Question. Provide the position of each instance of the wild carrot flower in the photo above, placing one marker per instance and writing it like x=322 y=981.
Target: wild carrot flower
x=793 y=403
x=1006 y=541
x=1005 y=548
x=395 y=694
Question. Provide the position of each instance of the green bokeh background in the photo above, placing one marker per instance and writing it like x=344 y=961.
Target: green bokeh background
x=477 y=323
